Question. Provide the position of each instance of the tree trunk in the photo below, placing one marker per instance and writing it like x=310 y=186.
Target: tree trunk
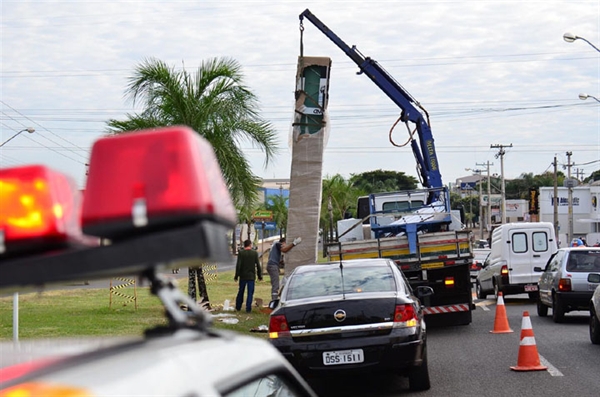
x=196 y=282
x=202 y=290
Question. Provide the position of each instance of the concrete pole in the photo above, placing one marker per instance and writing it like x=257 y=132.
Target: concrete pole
x=489 y=202
x=555 y=201
x=500 y=154
x=480 y=209
x=570 y=199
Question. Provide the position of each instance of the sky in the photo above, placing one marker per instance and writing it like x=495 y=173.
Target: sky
x=488 y=73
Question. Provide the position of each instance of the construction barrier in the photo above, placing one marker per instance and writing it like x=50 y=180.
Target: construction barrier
x=115 y=290
x=210 y=273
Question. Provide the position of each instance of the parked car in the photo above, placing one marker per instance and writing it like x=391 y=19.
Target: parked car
x=479 y=257
x=481 y=244
x=352 y=316
x=516 y=249
x=595 y=312
x=568 y=281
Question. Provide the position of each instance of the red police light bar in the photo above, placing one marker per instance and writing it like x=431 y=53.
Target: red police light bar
x=40 y=208
x=148 y=180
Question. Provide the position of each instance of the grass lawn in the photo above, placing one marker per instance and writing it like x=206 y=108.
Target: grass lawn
x=86 y=312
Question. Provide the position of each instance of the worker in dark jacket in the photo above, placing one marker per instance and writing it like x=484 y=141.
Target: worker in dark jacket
x=246 y=269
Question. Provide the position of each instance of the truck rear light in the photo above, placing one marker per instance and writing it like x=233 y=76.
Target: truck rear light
x=40 y=208
x=405 y=316
x=147 y=180
x=564 y=285
x=31 y=389
x=449 y=282
x=278 y=327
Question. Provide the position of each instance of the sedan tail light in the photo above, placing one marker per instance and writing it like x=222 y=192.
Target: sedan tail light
x=278 y=327
x=564 y=285
x=405 y=316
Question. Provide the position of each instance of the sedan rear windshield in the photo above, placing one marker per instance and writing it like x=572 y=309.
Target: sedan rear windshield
x=584 y=261
x=333 y=281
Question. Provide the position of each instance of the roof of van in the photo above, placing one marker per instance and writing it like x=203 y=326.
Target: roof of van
x=525 y=225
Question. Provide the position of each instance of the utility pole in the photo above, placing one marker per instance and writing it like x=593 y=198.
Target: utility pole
x=501 y=154
x=555 y=201
x=570 y=198
x=489 y=197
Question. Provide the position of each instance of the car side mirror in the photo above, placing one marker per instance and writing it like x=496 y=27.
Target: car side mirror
x=273 y=304
x=594 y=278
x=423 y=291
x=538 y=269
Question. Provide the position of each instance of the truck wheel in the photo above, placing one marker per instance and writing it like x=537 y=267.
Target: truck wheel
x=558 y=311
x=418 y=378
x=594 y=327
x=542 y=310
x=479 y=290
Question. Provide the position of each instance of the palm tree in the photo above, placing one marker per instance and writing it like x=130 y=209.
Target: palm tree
x=214 y=102
x=343 y=197
x=279 y=205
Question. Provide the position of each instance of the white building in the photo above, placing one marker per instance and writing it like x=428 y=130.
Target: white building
x=586 y=214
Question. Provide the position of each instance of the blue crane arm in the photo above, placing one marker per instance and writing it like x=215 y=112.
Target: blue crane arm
x=424 y=152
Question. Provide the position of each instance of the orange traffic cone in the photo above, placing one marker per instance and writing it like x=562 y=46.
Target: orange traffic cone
x=501 y=321
x=528 y=360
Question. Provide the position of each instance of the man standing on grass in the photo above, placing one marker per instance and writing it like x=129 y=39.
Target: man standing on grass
x=246 y=269
x=274 y=260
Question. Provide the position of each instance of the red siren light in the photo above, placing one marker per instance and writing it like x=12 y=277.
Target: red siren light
x=147 y=180
x=40 y=208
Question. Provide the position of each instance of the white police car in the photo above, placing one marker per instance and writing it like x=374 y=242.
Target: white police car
x=158 y=196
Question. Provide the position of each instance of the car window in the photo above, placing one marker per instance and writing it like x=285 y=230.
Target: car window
x=329 y=281
x=583 y=261
x=554 y=262
x=271 y=385
x=540 y=241
x=519 y=243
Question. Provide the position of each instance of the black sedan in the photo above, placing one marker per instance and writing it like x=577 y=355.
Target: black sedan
x=359 y=315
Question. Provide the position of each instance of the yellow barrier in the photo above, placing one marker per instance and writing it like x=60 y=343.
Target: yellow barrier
x=114 y=290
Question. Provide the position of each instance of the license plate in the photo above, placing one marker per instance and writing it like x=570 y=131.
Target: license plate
x=433 y=265
x=343 y=357
x=531 y=288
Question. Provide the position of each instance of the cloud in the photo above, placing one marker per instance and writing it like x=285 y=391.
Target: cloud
x=491 y=72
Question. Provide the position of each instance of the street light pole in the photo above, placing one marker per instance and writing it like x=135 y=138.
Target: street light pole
x=583 y=97
x=28 y=129
x=570 y=37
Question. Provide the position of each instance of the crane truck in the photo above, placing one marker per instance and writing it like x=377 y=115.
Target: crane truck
x=417 y=228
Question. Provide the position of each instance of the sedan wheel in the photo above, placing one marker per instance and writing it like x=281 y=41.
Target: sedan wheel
x=497 y=290
x=542 y=310
x=558 y=311
x=594 y=327
x=418 y=378
x=479 y=290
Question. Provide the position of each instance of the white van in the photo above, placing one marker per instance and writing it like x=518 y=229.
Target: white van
x=516 y=249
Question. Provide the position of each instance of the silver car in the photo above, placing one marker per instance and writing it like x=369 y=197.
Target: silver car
x=595 y=312
x=568 y=281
